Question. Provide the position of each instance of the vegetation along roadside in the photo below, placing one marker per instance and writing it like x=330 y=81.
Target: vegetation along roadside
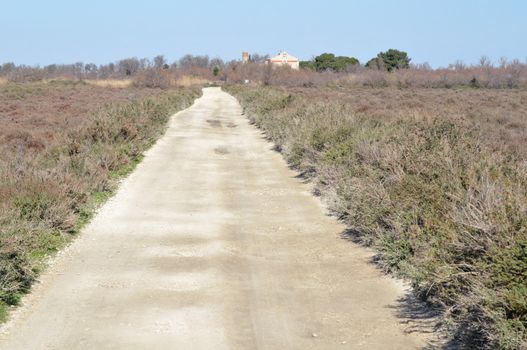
x=434 y=179
x=64 y=146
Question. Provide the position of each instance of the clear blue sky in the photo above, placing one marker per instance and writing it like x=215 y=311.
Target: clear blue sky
x=438 y=32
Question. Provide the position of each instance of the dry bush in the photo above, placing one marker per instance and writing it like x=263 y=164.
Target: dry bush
x=25 y=74
x=155 y=78
x=499 y=114
x=113 y=83
x=61 y=146
x=421 y=176
x=510 y=76
x=283 y=76
x=160 y=78
x=44 y=109
x=189 y=80
x=158 y=73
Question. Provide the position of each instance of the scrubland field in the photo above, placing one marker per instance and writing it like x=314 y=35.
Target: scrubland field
x=428 y=167
x=434 y=179
x=63 y=146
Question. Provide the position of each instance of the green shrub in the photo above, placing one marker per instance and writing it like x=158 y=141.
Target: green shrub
x=328 y=61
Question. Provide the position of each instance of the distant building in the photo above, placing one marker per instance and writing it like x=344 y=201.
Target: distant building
x=245 y=57
x=285 y=59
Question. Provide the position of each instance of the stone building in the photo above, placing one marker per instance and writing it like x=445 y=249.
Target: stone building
x=285 y=59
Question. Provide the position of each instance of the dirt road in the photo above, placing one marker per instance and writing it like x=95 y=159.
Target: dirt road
x=212 y=243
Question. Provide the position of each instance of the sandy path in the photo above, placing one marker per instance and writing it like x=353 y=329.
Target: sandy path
x=212 y=243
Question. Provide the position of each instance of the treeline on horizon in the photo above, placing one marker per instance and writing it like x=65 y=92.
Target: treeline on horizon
x=389 y=68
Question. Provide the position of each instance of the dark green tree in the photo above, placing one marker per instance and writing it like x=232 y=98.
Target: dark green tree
x=216 y=71
x=342 y=63
x=390 y=60
x=328 y=61
x=307 y=65
x=324 y=61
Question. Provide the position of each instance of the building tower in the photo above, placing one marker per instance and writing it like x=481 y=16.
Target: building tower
x=245 y=57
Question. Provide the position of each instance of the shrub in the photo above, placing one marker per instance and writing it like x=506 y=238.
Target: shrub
x=46 y=194
x=154 y=78
x=440 y=200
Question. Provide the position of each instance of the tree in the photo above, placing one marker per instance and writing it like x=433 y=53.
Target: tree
x=51 y=69
x=375 y=63
x=79 y=70
x=217 y=62
x=8 y=67
x=159 y=61
x=308 y=65
x=485 y=62
x=189 y=62
x=128 y=66
x=458 y=65
x=390 y=60
x=324 y=61
x=328 y=61
x=258 y=58
x=343 y=62
x=144 y=63
x=90 y=69
x=216 y=71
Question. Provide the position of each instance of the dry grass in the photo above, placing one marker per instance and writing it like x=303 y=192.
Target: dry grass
x=36 y=113
x=164 y=79
x=509 y=76
x=188 y=80
x=113 y=83
x=3 y=81
x=434 y=179
x=62 y=143
x=499 y=114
